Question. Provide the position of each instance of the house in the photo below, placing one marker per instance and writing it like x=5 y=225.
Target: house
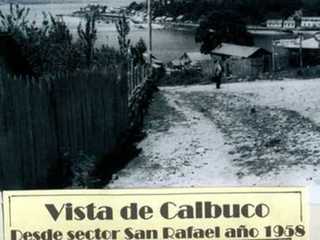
x=12 y=60
x=180 y=18
x=289 y=23
x=310 y=22
x=239 y=60
x=279 y=23
x=156 y=63
x=169 y=19
x=158 y=20
x=175 y=64
x=306 y=22
x=274 y=23
x=310 y=43
x=290 y=49
x=193 y=60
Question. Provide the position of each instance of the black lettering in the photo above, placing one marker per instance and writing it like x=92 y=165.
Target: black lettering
x=53 y=211
x=79 y=213
x=164 y=210
x=130 y=212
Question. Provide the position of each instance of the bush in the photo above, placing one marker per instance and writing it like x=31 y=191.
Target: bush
x=123 y=29
x=49 y=47
x=82 y=167
x=184 y=77
x=88 y=37
x=136 y=6
x=137 y=52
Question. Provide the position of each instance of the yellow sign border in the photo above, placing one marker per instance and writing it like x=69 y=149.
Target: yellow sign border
x=154 y=193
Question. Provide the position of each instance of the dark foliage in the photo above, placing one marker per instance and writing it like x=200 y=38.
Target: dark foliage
x=137 y=52
x=123 y=29
x=106 y=56
x=88 y=37
x=136 y=6
x=311 y=7
x=222 y=26
x=49 y=46
x=184 y=77
x=192 y=10
x=255 y=11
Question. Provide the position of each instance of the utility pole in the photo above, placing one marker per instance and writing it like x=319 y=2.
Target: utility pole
x=300 y=49
x=150 y=32
x=273 y=57
x=274 y=67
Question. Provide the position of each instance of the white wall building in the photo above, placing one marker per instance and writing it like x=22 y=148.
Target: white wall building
x=306 y=22
x=277 y=23
x=274 y=23
x=310 y=22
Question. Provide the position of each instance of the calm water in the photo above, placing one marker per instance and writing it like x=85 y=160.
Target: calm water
x=167 y=44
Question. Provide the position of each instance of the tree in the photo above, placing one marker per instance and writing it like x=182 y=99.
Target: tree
x=35 y=45
x=15 y=22
x=123 y=29
x=288 y=8
x=59 y=32
x=88 y=36
x=136 y=6
x=137 y=52
x=282 y=9
x=49 y=46
x=297 y=17
x=108 y=56
x=222 y=26
x=66 y=54
x=254 y=11
x=311 y=7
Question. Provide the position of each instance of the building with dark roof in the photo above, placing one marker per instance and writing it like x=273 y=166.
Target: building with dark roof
x=238 y=51
x=289 y=49
x=242 y=61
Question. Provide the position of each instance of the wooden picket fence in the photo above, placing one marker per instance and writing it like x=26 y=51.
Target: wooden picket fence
x=137 y=74
x=42 y=121
x=28 y=142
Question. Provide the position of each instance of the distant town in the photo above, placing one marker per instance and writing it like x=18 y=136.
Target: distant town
x=293 y=41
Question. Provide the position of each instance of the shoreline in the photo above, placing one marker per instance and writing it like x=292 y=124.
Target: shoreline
x=181 y=27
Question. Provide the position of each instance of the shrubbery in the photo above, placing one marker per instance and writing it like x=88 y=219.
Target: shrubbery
x=49 y=46
x=184 y=77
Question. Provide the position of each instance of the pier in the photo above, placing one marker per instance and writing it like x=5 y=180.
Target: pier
x=107 y=17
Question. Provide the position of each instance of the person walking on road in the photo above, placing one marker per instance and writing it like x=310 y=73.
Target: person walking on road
x=217 y=73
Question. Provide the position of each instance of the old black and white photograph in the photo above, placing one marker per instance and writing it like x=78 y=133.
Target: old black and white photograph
x=116 y=94
x=159 y=93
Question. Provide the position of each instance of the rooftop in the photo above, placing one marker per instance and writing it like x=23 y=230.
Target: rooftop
x=235 y=50
x=197 y=56
x=310 y=43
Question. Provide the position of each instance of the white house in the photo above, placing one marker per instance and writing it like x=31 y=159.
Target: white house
x=279 y=23
x=274 y=23
x=310 y=22
x=306 y=22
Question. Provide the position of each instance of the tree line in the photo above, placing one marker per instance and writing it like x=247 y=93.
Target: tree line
x=253 y=11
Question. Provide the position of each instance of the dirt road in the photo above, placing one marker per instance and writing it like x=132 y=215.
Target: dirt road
x=199 y=136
